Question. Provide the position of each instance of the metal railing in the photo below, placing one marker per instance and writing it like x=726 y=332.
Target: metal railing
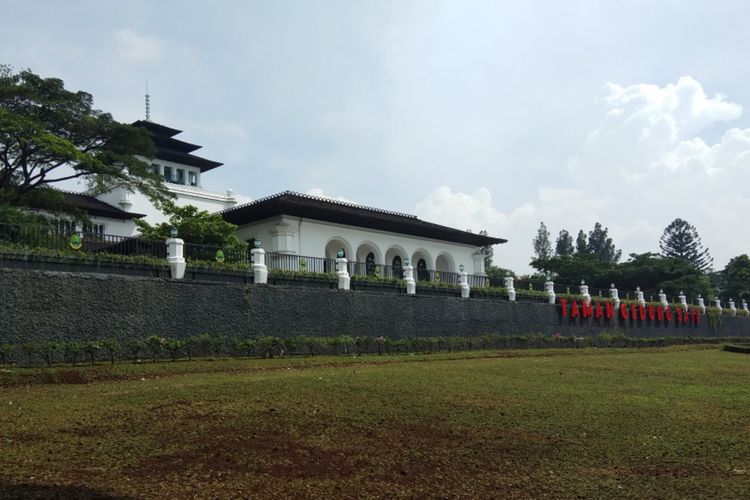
x=59 y=238
x=212 y=253
x=288 y=262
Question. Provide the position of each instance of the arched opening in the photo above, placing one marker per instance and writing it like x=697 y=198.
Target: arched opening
x=397 y=269
x=394 y=262
x=368 y=258
x=422 y=273
x=422 y=265
x=445 y=268
x=370 y=264
x=333 y=247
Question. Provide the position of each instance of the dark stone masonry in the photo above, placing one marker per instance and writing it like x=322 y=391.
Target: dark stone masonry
x=44 y=305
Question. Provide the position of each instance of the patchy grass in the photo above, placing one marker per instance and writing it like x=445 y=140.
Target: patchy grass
x=657 y=423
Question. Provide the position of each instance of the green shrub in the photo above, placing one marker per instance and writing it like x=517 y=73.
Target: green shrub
x=72 y=350
x=173 y=347
x=135 y=347
x=91 y=348
x=5 y=352
x=111 y=347
x=155 y=344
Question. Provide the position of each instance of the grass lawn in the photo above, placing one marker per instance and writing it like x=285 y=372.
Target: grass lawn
x=593 y=423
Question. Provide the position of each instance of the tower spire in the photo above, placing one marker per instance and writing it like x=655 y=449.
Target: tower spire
x=148 y=104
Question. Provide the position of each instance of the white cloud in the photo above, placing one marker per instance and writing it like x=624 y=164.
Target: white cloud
x=464 y=211
x=317 y=192
x=134 y=47
x=642 y=166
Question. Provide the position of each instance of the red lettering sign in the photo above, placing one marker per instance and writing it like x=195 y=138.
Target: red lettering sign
x=574 y=312
x=588 y=310
x=668 y=314
x=642 y=312
x=634 y=311
x=610 y=310
x=624 y=311
x=660 y=313
x=598 y=311
x=564 y=306
x=651 y=312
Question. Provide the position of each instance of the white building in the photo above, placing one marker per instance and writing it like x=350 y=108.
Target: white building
x=377 y=241
x=296 y=230
x=182 y=173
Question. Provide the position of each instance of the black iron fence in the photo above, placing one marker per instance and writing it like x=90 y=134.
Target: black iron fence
x=61 y=238
x=287 y=262
x=212 y=253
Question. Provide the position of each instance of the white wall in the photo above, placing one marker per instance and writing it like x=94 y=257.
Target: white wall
x=116 y=227
x=186 y=195
x=310 y=238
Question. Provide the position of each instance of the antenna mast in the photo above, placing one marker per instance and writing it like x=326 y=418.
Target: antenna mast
x=148 y=104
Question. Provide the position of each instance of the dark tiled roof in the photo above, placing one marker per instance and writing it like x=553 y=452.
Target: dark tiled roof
x=95 y=207
x=170 y=149
x=323 y=209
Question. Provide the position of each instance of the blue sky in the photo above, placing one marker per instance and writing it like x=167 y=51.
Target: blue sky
x=481 y=115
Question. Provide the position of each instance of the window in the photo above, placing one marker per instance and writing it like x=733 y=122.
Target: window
x=180 y=176
x=398 y=269
x=370 y=264
x=94 y=229
x=192 y=178
x=168 y=174
x=66 y=226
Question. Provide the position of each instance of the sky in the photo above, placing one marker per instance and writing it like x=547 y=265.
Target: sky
x=478 y=115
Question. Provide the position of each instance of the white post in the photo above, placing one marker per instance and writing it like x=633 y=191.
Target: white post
x=744 y=306
x=411 y=285
x=463 y=281
x=732 y=308
x=701 y=304
x=683 y=300
x=584 y=289
x=613 y=293
x=509 y=287
x=663 y=300
x=639 y=296
x=175 y=260
x=342 y=271
x=717 y=303
x=549 y=287
x=260 y=271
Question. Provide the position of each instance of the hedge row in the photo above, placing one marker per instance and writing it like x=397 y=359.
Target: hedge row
x=156 y=348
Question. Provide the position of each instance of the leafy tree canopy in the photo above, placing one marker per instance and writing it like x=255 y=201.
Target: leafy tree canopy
x=542 y=245
x=736 y=279
x=564 y=244
x=600 y=245
x=652 y=272
x=49 y=134
x=680 y=239
x=582 y=247
x=487 y=251
x=193 y=226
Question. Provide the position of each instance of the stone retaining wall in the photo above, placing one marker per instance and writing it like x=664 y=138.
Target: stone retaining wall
x=43 y=305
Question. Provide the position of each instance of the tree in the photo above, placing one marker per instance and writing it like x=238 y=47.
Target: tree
x=487 y=251
x=49 y=134
x=680 y=239
x=193 y=226
x=581 y=244
x=736 y=277
x=652 y=272
x=564 y=244
x=601 y=246
x=542 y=245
